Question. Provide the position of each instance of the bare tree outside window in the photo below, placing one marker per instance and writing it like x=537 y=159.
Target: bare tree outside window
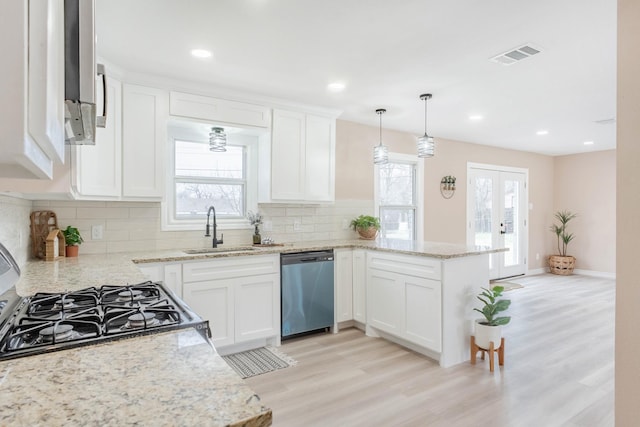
x=397 y=200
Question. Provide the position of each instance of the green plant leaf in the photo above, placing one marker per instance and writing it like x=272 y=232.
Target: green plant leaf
x=501 y=321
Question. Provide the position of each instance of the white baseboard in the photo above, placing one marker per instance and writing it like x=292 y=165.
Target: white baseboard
x=592 y=273
x=537 y=271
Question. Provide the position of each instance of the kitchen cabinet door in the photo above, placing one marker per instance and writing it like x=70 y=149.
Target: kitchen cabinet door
x=344 y=284
x=172 y=278
x=218 y=110
x=320 y=144
x=422 y=314
x=359 y=285
x=288 y=155
x=385 y=301
x=32 y=88
x=213 y=301
x=98 y=168
x=257 y=307
x=145 y=115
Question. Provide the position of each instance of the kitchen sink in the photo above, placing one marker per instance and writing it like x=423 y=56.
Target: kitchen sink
x=219 y=250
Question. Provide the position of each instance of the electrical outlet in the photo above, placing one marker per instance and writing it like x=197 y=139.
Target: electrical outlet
x=297 y=226
x=97 y=232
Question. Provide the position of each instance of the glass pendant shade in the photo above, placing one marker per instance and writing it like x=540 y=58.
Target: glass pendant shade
x=426 y=146
x=380 y=152
x=380 y=155
x=217 y=140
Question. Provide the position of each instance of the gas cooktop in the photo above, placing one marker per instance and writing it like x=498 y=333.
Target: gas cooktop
x=49 y=322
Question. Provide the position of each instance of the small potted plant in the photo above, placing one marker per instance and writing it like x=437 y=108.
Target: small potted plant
x=367 y=226
x=562 y=263
x=255 y=219
x=72 y=239
x=490 y=328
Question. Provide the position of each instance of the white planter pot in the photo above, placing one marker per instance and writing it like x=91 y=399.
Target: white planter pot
x=485 y=334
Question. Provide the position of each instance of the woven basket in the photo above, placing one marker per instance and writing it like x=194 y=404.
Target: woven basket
x=562 y=265
x=368 y=233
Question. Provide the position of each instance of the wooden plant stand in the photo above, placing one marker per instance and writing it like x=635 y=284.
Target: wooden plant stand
x=475 y=349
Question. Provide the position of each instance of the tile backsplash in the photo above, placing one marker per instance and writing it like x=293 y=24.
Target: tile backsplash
x=14 y=227
x=135 y=226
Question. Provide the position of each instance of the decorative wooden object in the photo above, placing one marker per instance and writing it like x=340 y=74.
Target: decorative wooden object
x=54 y=245
x=42 y=223
x=475 y=349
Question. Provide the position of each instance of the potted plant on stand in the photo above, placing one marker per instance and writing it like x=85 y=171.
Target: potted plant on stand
x=72 y=239
x=488 y=331
x=367 y=226
x=562 y=263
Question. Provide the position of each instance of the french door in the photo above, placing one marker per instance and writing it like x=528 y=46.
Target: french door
x=497 y=216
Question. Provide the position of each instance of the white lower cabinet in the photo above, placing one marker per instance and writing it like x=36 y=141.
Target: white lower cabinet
x=343 y=284
x=169 y=274
x=404 y=298
x=239 y=296
x=359 y=278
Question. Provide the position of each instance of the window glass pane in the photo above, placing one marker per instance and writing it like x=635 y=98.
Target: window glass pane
x=484 y=211
x=511 y=237
x=396 y=184
x=194 y=199
x=195 y=159
x=397 y=223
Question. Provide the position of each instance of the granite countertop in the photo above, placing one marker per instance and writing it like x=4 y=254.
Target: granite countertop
x=426 y=249
x=167 y=379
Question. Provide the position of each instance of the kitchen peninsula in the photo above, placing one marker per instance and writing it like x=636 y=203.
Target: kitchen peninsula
x=177 y=377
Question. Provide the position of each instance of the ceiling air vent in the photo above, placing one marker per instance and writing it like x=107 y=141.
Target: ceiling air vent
x=515 y=55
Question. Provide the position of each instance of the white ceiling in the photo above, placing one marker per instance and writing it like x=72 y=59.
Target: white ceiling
x=388 y=53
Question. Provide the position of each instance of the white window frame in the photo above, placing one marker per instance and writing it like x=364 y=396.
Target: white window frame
x=169 y=222
x=418 y=187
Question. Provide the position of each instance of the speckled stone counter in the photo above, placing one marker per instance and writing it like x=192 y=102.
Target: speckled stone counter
x=168 y=379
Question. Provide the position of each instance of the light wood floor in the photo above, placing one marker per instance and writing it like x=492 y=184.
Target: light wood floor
x=558 y=370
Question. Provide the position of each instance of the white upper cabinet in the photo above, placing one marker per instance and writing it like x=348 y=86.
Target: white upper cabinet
x=98 y=168
x=32 y=88
x=302 y=157
x=218 y=110
x=145 y=117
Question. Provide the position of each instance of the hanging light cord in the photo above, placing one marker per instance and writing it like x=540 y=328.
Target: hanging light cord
x=380 y=115
x=425 y=115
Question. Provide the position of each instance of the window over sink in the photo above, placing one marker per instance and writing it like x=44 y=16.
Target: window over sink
x=199 y=178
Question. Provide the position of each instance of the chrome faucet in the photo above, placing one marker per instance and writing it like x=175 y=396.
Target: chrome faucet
x=215 y=226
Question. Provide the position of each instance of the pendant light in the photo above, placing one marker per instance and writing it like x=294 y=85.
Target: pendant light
x=426 y=144
x=217 y=140
x=380 y=152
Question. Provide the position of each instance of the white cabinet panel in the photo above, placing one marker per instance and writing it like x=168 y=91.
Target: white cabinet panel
x=257 y=307
x=343 y=284
x=423 y=321
x=32 y=88
x=386 y=302
x=288 y=156
x=320 y=159
x=98 y=168
x=359 y=285
x=218 y=110
x=173 y=278
x=144 y=136
x=213 y=301
x=153 y=272
x=302 y=157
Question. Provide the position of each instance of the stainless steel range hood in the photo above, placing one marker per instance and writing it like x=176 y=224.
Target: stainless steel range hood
x=81 y=72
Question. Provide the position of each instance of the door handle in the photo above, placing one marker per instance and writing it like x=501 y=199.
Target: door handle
x=502 y=229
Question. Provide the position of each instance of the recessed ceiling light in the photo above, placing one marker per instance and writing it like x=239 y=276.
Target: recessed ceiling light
x=476 y=117
x=542 y=132
x=201 y=53
x=336 y=86
x=588 y=143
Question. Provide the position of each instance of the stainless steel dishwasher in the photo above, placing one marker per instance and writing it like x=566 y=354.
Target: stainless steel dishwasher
x=306 y=291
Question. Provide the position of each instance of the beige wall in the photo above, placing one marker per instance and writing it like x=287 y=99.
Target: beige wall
x=586 y=184
x=628 y=216
x=445 y=219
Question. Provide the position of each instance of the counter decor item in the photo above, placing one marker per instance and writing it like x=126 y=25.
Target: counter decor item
x=54 y=245
x=42 y=223
x=367 y=226
x=448 y=186
x=488 y=331
x=562 y=263
x=255 y=219
x=74 y=239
